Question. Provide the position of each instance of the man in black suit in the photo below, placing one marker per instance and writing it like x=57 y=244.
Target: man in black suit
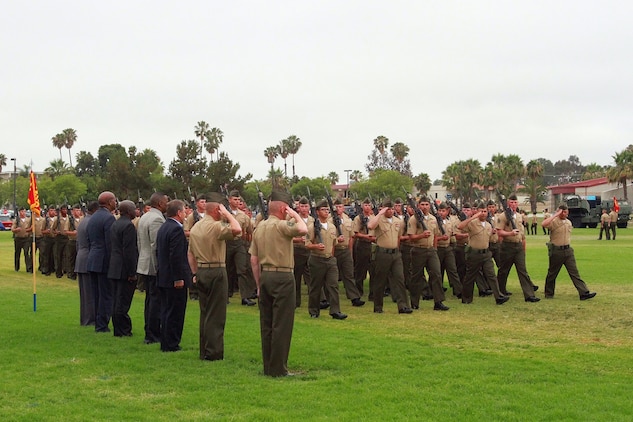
x=173 y=275
x=87 y=306
x=98 y=231
x=122 y=269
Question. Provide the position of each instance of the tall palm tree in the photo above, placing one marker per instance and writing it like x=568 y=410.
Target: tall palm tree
x=276 y=177
x=422 y=182
x=201 y=130
x=333 y=177
x=3 y=161
x=70 y=137
x=399 y=151
x=293 y=147
x=271 y=154
x=623 y=169
x=381 y=143
x=59 y=142
x=594 y=171
x=533 y=185
x=283 y=150
x=213 y=139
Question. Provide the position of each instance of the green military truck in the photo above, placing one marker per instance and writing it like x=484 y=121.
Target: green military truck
x=586 y=212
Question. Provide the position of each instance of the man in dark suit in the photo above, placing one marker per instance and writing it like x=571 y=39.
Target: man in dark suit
x=87 y=310
x=173 y=275
x=98 y=231
x=122 y=269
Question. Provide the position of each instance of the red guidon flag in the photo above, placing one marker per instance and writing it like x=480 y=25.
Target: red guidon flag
x=34 y=196
x=616 y=206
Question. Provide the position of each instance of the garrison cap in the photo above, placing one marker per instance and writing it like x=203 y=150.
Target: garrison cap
x=442 y=206
x=215 y=197
x=338 y=201
x=201 y=197
x=366 y=201
x=387 y=203
x=322 y=204
x=235 y=193
x=303 y=200
x=491 y=202
x=424 y=199
x=466 y=205
x=397 y=200
x=513 y=197
x=281 y=196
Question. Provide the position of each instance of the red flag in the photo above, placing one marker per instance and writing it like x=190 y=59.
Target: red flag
x=616 y=206
x=34 y=196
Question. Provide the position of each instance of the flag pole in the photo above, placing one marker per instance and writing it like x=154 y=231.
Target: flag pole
x=33 y=250
x=34 y=203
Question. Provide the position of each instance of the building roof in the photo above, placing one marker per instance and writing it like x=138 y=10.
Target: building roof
x=571 y=187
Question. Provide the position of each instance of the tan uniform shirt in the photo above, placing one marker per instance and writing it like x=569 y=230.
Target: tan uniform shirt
x=359 y=228
x=479 y=233
x=329 y=238
x=502 y=223
x=388 y=232
x=38 y=225
x=190 y=221
x=613 y=216
x=271 y=242
x=605 y=219
x=448 y=230
x=22 y=223
x=245 y=223
x=347 y=230
x=207 y=240
x=560 y=232
x=72 y=227
x=413 y=228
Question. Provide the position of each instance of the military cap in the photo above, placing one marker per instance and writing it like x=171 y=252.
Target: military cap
x=322 y=204
x=466 y=205
x=77 y=206
x=215 y=197
x=338 y=201
x=491 y=202
x=303 y=200
x=398 y=201
x=424 y=199
x=442 y=206
x=387 y=203
x=366 y=201
x=201 y=197
x=281 y=196
x=513 y=197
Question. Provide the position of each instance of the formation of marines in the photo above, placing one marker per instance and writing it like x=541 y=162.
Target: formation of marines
x=404 y=247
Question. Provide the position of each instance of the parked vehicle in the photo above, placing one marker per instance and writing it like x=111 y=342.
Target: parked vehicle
x=586 y=212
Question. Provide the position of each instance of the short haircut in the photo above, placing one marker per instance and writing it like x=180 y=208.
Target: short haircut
x=173 y=207
x=155 y=199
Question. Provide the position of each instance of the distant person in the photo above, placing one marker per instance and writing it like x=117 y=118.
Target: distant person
x=604 y=224
x=87 y=308
x=561 y=253
x=122 y=269
x=22 y=230
x=173 y=275
x=533 y=223
x=613 y=222
x=98 y=231
x=546 y=215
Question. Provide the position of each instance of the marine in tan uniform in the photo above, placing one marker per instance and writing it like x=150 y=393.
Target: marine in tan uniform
x=70 y=254
x=236 y=257
x=423 y=234
x=445 y=252
x=272 y=263
x=363 y=239
x=478 y=256
x=47 y=261
x=513 y=251
x=613 y=222
x=22 y=230
x=343 y=254
x=604 y=224
x=206 y=255
x=60 y=227
x=388 y=259
x=561 y=253
x=323 y=268
x=301 y=252
x=196 y=215
x=37 y=223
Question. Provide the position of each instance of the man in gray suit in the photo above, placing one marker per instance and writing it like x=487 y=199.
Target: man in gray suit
x=87 y=309
x=148 y=226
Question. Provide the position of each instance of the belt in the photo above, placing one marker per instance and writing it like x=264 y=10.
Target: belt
x=277 y=269
x=481 y=251
x=211 y=265
x=561 y=248
x=422 y=247
x=386 y=250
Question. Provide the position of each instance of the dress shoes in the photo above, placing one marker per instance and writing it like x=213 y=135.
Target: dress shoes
x=338 y=315
x=314 y=315
x=535 y=288
x=484 y=293
x=532 y=299
x=427 y=297
x=176 y=349
x=439 y=306
x=324 y=304
x=502 y=300
x=248 y=302
x=357 y=302
x=506 y=293
x=405 y=310
x=587 y=295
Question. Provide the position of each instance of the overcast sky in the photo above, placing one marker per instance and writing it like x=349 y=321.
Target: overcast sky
x=451 y=79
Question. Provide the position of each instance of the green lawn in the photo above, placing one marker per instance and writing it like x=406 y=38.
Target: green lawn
x=559 y=359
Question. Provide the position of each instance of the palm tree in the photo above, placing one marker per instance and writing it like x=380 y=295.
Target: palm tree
x=594 y=171
x=381 y=143
x=213 y=139
x=533 y=185
x=623 y=169
x=333 y=177
x=271 y=154
x=3 y=161
x=201 y=130
x=70 y=137
x=283 y=151
x=56 y=168
x=422 y=182
x=276 y=177
x=356 y=176
x=399 y=151
x=293 y=147
x=59 y=142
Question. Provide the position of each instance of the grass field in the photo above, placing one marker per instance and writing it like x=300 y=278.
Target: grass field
x=558 y=359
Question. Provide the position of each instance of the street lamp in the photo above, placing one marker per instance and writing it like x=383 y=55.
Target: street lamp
x=15 y=175
x=347 y=189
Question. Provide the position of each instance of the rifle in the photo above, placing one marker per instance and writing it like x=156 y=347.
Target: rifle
x=141 y=205
x=419 y=216
x=460 y=214
x=373 y=204
x=435 y=214
x=359 y=212
x=335 y=217
x=262 y=202
x=192 y=199
x=317 y=222
x=82 y=203
x=506 y=210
